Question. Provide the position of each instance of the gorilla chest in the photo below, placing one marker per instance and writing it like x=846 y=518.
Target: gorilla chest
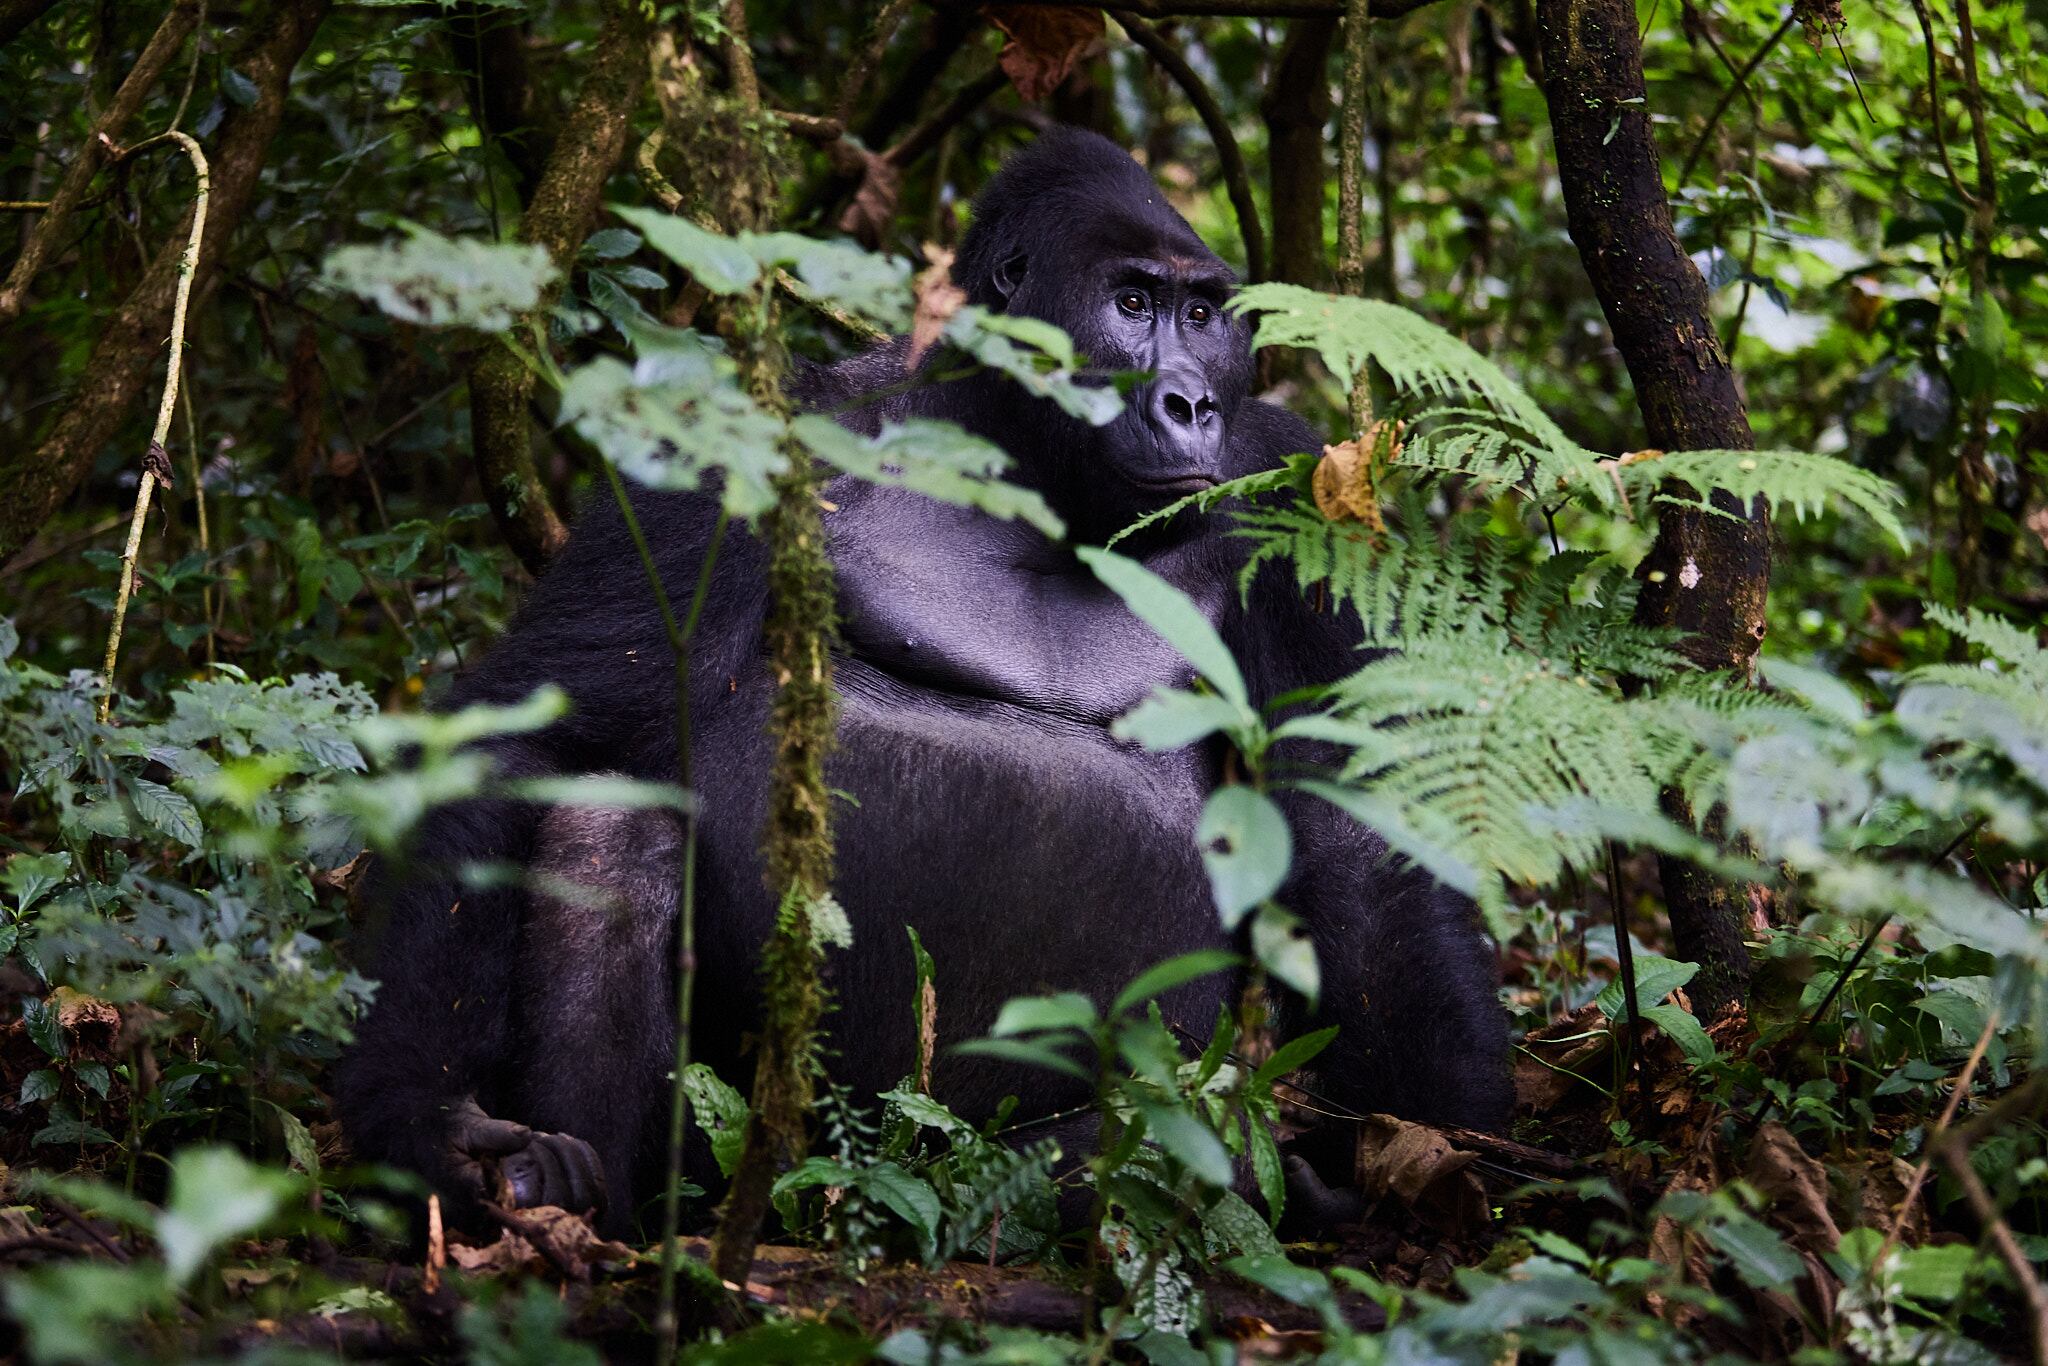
x=1005 y=805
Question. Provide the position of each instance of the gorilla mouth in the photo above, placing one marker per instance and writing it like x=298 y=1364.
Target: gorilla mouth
x=1180 y=485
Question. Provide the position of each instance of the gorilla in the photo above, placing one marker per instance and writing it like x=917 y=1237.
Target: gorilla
x=990 y=806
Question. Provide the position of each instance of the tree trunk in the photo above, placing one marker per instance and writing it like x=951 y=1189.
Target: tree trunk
x=1296 y=109
x=564 y=206
x=34 y=482
x=1706 y=574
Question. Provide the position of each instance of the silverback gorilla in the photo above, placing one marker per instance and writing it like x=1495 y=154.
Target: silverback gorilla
x=996 y=814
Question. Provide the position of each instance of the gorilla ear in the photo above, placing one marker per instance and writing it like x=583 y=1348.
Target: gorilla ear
x=1008 y=274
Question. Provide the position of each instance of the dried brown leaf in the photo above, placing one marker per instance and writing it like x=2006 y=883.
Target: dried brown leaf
x=1046 y=42
x=1552 y=1060
x=571 y=1242
x=1796 y=1186
x=938 y=299
x=1419 y=1166
x=868 y=216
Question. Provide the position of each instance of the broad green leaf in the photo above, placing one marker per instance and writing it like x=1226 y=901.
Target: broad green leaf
x=169 y=812
x=1030 y=1054
x=1292 y=1282
x=922 y=1109
x=937 y=459
x=911 y=1198
x=1171 y=719
x=216 y=1196
x=721 y=264
x=720 y=1111
x=1685 y=1031
x=1030 y=1014
x=1281 y=945
x=39 y=1086
x=1295 y=1053
x=1161 y=978
x=1757 y=1253
x=1246 y=848
x=1174 y=616
x=438 y=281
x=1656 y=978
x=1189 y=1141
x=27 y=878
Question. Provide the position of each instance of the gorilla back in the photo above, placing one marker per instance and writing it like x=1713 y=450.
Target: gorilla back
x=995 y=813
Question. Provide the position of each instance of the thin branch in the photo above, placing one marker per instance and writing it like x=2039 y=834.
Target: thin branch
x=156 y=462
x=163 y=46
x=1739 y=86
x=862 y=67
x=1940 y=1137
x=1934 y=104
x=947 y=116
x=1235 y=177
x=2009 y=1250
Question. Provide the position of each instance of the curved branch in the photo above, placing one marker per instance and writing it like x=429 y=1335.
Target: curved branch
x=34 y=481
x=1199 y=95
x=1740 y=85
x=156 y=463
x=156 y=57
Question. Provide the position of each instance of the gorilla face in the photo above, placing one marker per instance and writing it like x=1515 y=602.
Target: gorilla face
x=1073 y=231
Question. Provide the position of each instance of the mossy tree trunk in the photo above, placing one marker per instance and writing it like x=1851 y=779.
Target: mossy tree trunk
x=559 y=216
x=1706 y=575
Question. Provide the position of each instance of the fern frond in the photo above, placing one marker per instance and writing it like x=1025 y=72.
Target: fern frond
x=1998 y=638
x=1801 y=481
x=1417 y=355
x=1465 y=740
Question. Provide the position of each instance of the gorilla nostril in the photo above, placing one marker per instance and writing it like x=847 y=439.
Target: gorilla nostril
x=1179 y=409
x=1205 y=410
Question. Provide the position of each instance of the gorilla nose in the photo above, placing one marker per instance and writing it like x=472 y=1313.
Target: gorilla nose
x=1185 y=414
x=1184 y=406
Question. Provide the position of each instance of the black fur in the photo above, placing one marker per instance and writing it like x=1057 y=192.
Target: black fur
x=995 y=813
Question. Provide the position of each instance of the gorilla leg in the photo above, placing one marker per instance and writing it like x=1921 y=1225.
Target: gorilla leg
x=596 y=1000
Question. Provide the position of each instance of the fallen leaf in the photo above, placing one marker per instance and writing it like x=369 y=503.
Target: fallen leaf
x=1046 y=42
x=1344 y=485
x=1552 y=1061
x=570 y=1238
x=1419 y=1166
x=1796 y=1186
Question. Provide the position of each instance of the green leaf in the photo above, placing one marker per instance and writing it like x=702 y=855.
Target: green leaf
x=44 y=1030
x=1757 y=1253
x=438 y=281
x=1161 y=978
x=1189 y=1141
x=1246 y=848
x=1656 y=978
x=721 y=264
x=29 y=877
x=1685 y=1031
x=169 y=812
x=910 y=1198
x=1296 y=1284
x=922 y=1109
x=720 y=1111
x=1171 y=719
x=1030 y=1014
x=937 y=459
x=1283 y=948
x=1030 y=1054
x=609 y=244
x=39 y=1085
x=1296 y=1053
x=216 y=1196
x=94 y=1077
x=1267 y=1169
x=298 y=1141
x=1174 y=616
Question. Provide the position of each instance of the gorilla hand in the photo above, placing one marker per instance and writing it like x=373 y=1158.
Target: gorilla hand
x=532 y=1169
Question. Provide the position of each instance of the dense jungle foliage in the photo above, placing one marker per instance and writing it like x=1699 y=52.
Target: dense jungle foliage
x=320 y=320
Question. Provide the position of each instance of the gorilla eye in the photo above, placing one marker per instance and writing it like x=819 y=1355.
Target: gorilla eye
x=1200 y=313
x=1131 y=302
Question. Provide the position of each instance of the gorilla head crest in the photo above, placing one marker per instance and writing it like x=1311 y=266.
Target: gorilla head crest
x=1073 y=231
